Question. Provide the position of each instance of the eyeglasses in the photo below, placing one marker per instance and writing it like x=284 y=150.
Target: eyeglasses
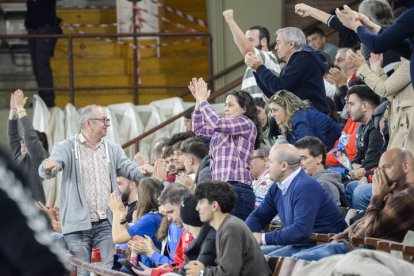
x=105 y=121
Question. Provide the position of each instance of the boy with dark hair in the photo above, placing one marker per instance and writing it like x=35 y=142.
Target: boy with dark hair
x=196 y=159
x=237 y=251
x=316 y=38
x=362 y=102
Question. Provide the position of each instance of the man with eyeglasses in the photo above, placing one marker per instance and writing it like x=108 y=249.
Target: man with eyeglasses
x=300 y=201
x=260 y=173
x=90 y=166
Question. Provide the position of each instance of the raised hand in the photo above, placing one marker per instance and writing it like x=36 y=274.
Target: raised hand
x=349 y=18
x=375 y=61
x=355 y=59
x=338 y=77
x=115 y=204
x=49 y=165
x=228 y=15
x=201 y=90
x=252 y=60
x=139 y=159
x=19 y=99
x=303 y=9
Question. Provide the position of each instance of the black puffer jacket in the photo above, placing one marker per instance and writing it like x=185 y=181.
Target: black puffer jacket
x=202 y=249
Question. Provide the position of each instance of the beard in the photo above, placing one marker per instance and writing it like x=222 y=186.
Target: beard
x=125 y=195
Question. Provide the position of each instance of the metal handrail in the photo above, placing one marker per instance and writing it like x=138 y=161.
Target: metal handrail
x=136 y=86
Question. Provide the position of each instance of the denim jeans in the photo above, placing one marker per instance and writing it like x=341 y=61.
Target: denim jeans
x=80 y=243
x=358 y=196
x=321 y=251
x=245 y=200
x=284 y=250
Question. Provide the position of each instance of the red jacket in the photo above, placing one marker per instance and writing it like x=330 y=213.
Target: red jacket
x=179 y=255
x=349 y=128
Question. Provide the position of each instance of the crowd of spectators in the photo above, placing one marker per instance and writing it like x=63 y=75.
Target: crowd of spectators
x=316 y=129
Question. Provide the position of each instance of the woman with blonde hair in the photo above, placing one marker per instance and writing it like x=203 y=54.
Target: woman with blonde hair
x=147 y=219
x=297 y=119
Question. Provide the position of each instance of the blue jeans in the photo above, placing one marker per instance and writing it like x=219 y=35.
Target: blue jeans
x=358 y=196
x=80 y=244
x=284 y=250
x=245 y=200
x=321 y=251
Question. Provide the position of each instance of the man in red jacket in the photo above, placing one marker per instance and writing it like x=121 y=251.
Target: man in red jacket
x=170 y=200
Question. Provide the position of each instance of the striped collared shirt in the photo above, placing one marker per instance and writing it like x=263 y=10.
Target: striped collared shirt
x=94 y=167
x=249 y=82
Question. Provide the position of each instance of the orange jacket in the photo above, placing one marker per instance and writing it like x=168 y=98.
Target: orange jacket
x=349 y=128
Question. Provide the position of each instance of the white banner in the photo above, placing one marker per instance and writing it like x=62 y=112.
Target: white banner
x=125 y=16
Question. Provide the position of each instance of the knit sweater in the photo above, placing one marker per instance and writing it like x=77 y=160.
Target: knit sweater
x=74 y=210
x=30 y=161
x=305 y=208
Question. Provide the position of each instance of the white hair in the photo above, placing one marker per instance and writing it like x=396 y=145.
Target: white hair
x=87 y=113
x=295 y=35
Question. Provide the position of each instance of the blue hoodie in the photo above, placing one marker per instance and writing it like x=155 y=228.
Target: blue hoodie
x=302 y=75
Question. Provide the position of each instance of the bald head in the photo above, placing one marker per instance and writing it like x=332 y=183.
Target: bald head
x=397 y=155
x=397 y=164
x=284 y=159
x=287 y=153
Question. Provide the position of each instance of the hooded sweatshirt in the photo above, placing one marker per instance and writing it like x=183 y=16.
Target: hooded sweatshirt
x=302 y=75
x=331 y=182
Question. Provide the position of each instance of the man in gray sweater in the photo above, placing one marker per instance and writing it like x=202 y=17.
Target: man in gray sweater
x=30 y=149
x=238 y=253
x=90 y=166
x=313 y=155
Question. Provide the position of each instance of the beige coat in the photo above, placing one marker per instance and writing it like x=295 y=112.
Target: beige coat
x=398 y=90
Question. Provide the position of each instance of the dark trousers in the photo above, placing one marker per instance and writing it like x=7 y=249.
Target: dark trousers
x=41 y=51
x=245 y=200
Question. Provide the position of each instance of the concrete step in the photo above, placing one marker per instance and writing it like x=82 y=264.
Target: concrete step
x=94 y=48
x=105 y=67
x=112 y=97
x=113 y=80
x=87 y=16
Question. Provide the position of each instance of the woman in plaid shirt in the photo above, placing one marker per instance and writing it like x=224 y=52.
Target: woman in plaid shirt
x=233 y=139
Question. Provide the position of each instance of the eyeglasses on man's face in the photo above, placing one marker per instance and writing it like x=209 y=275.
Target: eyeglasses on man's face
x=105 y=121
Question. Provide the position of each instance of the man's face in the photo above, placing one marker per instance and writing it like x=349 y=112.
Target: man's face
x=99 y=124
x=257 y=165
x=205 y=210
x=316 y=41
x=178 y=160
x=172 y=212
x=355 y=108
x=188 y=125
x=188 y=162
x=341 y=63
x=123 y=185
x=253 y=38
x=261 y=113
x=392 y=168
x=169 y=165
x=309 y=163
x=284 y=50
x=275 y=167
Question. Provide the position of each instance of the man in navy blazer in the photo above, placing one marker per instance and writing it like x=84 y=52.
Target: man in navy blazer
x=301 y=203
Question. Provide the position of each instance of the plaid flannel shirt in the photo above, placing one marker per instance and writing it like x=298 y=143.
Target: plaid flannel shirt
x=385 y=218
x=231 y=145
